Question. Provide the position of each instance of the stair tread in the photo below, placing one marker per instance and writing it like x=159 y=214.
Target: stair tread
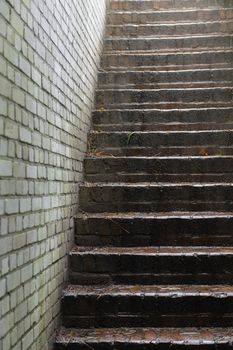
x=187 y=36
x=156 y=184
x=167 y=89
x=155 y=110
x=182 y=157
x=154 y=251
x=156 y=215
x=166 y=51
x=131 y=70
x=146 y=335
x=170 y=24
x=162 y=132
x=177 y=291
x=174 y=10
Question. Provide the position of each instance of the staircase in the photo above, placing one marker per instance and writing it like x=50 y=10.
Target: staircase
x=153 y=265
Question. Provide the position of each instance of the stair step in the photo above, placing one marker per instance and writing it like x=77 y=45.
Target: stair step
x=211 y=27
x=176 y=60
x=151 y=265
x=163 y=151
x=144 y=338
x=115 y=98
x=169 y=169
x=154 y=79
x=133 y=127
x=173 y=43
x=176 y=15
x=167 y=105
x=154 y=229
x=148 y=306
x=204 y=115
x=146 y=5
x=156 y=139
x=146 y=197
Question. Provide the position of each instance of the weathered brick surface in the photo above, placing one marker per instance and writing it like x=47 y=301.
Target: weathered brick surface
x=49 y=54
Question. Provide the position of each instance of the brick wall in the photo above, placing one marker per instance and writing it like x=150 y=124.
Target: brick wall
x=49 y=54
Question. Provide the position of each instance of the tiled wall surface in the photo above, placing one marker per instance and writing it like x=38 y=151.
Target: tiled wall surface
x=49 y=54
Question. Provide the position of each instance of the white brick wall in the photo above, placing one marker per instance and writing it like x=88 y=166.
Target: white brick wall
x=49 y=54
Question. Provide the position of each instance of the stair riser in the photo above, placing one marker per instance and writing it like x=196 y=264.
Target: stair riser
x=173 y=178
x=163 y=139
x=147 y=279
x=164 y=61
x=115 y=199
x=166 y=231
x=175 y=29
x=108 y=98
x=168 y=105
x=169 y=43
x=164 y=151
x=163 y=127
x=166 y=4
x=159 y=116
x=146 y=311
x=132 y=169
x=126 y=269
x=202 y=165
x=143 y=79
x=210 y=14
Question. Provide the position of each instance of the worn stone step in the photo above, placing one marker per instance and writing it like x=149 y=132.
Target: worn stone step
x=130 y=127
x=201 y=78
x=144 y=338
x=156 y=139
x=157 y=61
x=147 y=30
x=172 y=85
x=114 y=98
x=167 y=104
x=148 y=306
x=168 y=169
x=155 y=5
x=162 y=151
x=198 y=115
x=170 y=43
x=147 y=197
x=151 y=265
x=154 y=229
x=175 y=15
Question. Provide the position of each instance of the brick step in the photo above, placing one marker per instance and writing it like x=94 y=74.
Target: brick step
x=163 y=126
x=201 y=115
x=145 y=5
x=156 y=139
x=170 y=43
x=148 y=306
x=167 y=105
x=144 y=338
x=187 y=59
x=168 y=169
x=176 y=15
x=163 y=151
x=129 y=30
x=151 y=265
x=147 y=197
x=175 y=85
x=154 y=229
x=157 y=61
x=207 y=78
x=117 y=97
